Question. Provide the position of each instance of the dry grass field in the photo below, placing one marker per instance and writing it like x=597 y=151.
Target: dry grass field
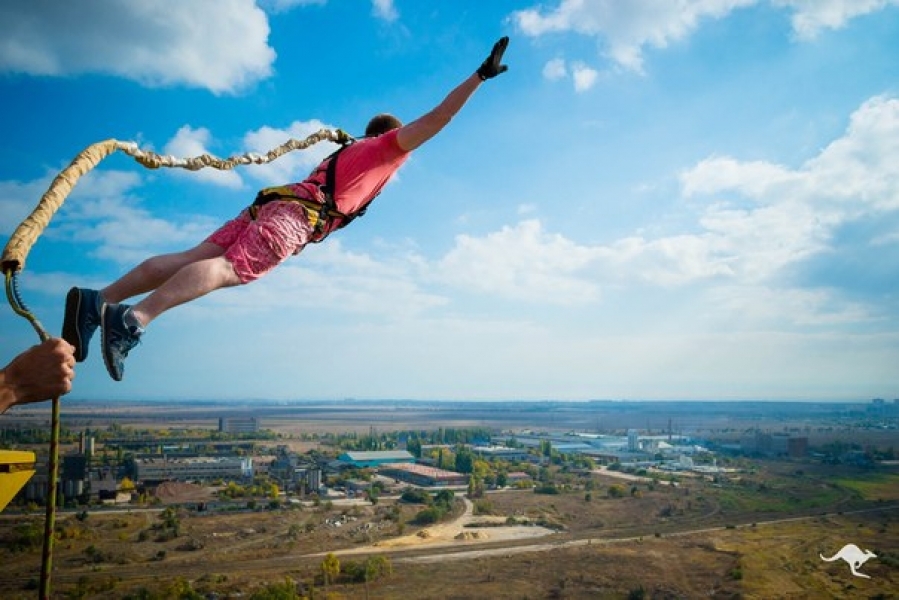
x=690 y=541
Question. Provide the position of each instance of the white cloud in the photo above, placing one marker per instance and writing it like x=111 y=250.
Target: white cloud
x=555 y=69
x=154 y=43
x=811 y=16
x=857 y=171
x=384 y=10
x=794 y=214
x=756 y=178
x=853 y=173
x=105 y=213
x=346 y=282
x=584 y=77
x=762 y=304
x=521 y=262
x=626 y=29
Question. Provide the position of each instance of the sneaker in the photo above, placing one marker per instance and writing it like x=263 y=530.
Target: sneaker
x=81 y=320
x=121 y=333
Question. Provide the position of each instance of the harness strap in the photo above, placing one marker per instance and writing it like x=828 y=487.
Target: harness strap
x=318 y=212
x=330 y=186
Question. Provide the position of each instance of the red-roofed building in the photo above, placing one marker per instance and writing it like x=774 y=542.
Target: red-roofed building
x=424 y=475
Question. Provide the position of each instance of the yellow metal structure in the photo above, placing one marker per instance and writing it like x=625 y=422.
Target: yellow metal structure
x=16 y=468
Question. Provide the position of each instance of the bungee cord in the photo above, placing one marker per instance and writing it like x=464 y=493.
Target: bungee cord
x=27 y=233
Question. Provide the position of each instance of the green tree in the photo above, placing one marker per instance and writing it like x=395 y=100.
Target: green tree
x=464 y=460
x=475 y=487
x=330 y=569
x=446 y=459
x=413 y=446
x=376 y=567
x=546 y=448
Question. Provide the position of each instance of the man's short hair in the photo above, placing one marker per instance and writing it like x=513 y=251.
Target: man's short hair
x=382 y=124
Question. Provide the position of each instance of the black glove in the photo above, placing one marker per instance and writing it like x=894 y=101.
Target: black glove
x=492 y=67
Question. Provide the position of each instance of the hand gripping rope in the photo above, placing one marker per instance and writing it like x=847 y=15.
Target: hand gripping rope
x=26 y=234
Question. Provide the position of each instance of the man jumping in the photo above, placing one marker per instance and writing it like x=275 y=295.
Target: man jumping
x=279 y=223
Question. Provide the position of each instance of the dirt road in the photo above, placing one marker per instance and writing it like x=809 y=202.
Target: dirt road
x=466 y=530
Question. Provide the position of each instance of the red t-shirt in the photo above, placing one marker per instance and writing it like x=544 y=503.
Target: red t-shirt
x=363 y=169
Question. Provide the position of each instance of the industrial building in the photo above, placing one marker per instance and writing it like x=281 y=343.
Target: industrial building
x=375 y=459
x=294 y=473
x=775 y=444
x=423 y=475
x=501 y=452
x=238 y=424
x=196 y=468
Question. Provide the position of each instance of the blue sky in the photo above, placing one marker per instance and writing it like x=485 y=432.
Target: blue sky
x=659 y=200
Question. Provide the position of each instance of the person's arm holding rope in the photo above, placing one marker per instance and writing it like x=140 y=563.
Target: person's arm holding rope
x=40 y=373
x=419 y=131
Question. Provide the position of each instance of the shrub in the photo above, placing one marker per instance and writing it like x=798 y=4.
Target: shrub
x=616 y=490
x=637 y=593
x=277 y=591
x=428 y=516
x=27 y=536
x=444 y=499
x=415 y=496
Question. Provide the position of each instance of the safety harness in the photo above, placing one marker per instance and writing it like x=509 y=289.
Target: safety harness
x=320 y=213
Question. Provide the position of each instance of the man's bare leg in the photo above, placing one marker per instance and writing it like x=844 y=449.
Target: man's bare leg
x=123 y=325
x=190 y=282
x=153 y=272
x=84 y=307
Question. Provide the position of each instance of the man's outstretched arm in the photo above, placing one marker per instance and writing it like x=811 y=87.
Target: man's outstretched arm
x=427 y=126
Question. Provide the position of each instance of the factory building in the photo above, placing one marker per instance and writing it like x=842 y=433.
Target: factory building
x=190 y=469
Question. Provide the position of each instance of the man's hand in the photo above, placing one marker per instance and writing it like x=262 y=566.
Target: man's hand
x=492 y=66
x=40 y=373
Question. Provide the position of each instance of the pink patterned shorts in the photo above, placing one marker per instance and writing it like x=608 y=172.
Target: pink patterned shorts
x=256 y=247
